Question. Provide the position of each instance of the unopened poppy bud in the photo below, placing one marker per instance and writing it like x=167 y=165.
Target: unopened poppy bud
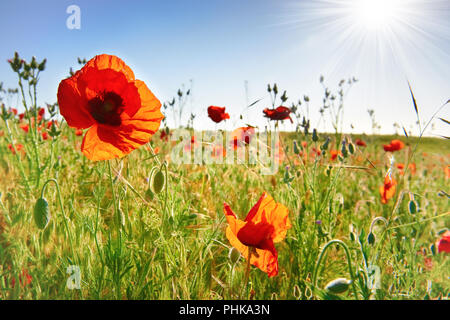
x=433 y=249
x=296 y=150
x=339 y=285
x=41 y=66
x=33 y=63
x=269 y=89
x=275 y=88
x=344 y=149
x=412 y=207
x=158 y=181
x=315 y=137
x=41 y=213
x=371 y=238
x=351 y=148
x=234 y=255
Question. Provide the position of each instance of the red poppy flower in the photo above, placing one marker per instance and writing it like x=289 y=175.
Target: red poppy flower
x=395 y=145
x=24 y=279
x=265 y=224
x=44 y=135
x=334 y=154
x=444 y=243
x=21 y=116
x=217 y=114
x=24 y=127
x=387 y=190
x=280 y=113
x=78 y=132
x=400 y=166
x=14 y=111
x=360 y=143
x=121 y=112
x=242 y=135
x=412 y=168
x=18 y=146
x=41 y=112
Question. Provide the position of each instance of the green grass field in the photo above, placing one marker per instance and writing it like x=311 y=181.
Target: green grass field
x=147 y=227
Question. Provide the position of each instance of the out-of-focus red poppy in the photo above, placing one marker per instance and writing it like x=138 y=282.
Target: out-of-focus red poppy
x=218 y=151
x=443 y=244
x=217 y=114
x=41 y=112
x=192 y=144
x=360 y=143
x=242 y=135
x=44 y=135
x=78 y=132
x=387 y=190
x=164 y=136
x=280 y=113
x=334 y=154
x=24 y=279
x=21 y=116
x=14 y=111
x=24 y=127
x=18 y=146
x=266 y=223
x=121 y=112
x=447 y=172
x=395 y=145
x=412 y=168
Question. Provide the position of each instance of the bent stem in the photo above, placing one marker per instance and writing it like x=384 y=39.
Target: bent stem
x=349 y=262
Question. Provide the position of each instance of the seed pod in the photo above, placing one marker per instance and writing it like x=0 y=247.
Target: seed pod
x=41 y=213
x=296 y=150
x=337 y=286
x=371 y=238
x=234 y=255
x=412 y=207
x=315 y=137
x=158 y=181
x=351 y=148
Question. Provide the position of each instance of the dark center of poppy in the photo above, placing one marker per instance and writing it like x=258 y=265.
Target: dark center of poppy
x=106 y=108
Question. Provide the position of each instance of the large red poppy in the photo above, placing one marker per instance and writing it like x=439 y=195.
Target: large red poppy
x=121 y=112
x=280 y=113
x=265 y=224
x=395 y=145
x=217 y=114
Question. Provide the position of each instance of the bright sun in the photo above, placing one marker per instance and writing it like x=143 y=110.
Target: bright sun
x=375 y=14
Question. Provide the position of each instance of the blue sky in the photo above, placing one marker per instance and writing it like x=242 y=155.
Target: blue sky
x=221 y=44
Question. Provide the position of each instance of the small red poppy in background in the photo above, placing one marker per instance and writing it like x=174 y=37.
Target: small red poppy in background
x=242 y=135
x=44 y=135
x=443 y=244
x=41 y=112
x=14 y=111
x=24 y=279
x=266 y=223
x=387 y=190
x=360 y=143
x=21 y=116
x=24 y=127
x=334 y=154
x=78 y=132
x=447 y=172
x=217 y=114
x=18 y=146
x=280 y=113
x=395 y=145
x=120 y=112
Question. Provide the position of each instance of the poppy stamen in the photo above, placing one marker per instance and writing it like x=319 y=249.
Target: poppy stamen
x=107 y=108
